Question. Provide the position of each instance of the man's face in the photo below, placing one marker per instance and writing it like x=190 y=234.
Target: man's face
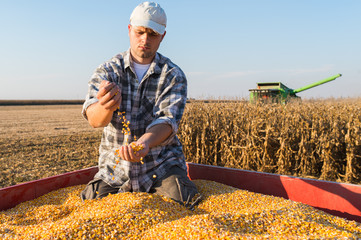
x=144 y=43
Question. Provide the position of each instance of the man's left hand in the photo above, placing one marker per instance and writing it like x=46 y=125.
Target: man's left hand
x=127 y=152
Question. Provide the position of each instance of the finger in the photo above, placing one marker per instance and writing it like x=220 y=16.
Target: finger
x=115 y=91
x=118 y=98
x=122 y=153
x=114 y=103
x=109 y=86
x=126 y=153
x=142 y=153
x=131 y=153
x=103 y=88
x=111 y=91
x=107 y=89
x=112 y=99
x=103 y=83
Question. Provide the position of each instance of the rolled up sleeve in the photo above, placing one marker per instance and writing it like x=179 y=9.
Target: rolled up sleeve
x=170 y=105
x=103 y=72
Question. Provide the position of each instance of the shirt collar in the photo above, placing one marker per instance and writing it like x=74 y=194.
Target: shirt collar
x=127 y=58
x=153 y=68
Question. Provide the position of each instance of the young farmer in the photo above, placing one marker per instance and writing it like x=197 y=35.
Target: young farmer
x=151 y=92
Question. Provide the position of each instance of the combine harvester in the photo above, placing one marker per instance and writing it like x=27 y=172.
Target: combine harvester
x=339 y=199
x=276 y=92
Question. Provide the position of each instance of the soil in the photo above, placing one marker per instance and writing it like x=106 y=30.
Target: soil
x=44 y=140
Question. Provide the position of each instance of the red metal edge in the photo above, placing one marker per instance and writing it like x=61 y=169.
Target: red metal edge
x=339 y=199
x=13 y=195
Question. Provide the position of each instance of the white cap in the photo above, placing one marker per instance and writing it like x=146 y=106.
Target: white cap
x=149 y=15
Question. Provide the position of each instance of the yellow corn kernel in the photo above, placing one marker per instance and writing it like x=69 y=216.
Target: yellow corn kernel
x=224 y=213
x=136 y=147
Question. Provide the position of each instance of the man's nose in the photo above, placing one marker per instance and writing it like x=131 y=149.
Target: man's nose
x=145 y=37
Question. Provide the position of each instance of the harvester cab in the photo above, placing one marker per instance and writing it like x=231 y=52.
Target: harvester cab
x=276 y=92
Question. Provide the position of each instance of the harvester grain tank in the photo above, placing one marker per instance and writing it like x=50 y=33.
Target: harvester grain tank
x=278 y=92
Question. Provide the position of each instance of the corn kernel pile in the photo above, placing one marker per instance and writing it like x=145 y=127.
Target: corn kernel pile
x=225 y=213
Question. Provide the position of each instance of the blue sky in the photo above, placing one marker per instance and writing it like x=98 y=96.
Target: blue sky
x=49 y=49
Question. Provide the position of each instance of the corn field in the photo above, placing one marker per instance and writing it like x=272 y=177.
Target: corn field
x=319 y=139
x=315 y=138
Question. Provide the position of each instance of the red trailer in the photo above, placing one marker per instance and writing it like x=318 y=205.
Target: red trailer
x=339 y=199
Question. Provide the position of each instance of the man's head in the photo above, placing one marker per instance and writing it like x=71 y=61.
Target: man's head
x=149 y=15
x=146 y=31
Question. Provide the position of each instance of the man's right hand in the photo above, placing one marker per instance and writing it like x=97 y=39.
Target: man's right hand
x=109 y=98
x=109 y=95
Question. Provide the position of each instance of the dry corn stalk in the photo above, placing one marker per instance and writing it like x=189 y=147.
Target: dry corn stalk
x=318 y=139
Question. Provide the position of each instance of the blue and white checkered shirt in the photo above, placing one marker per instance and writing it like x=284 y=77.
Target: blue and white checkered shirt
x=159 y=98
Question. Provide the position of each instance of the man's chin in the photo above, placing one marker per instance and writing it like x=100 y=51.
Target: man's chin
x=146 y=56
x=143 y=56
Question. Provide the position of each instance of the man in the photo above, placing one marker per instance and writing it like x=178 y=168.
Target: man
x=150 y=91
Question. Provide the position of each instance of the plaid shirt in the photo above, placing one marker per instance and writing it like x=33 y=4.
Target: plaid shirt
x=159 y=98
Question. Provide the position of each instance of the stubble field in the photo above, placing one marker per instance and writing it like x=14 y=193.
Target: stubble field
x=319 y=139
x=44 y=140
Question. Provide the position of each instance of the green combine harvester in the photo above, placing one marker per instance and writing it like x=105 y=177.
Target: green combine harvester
x=276 y=92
